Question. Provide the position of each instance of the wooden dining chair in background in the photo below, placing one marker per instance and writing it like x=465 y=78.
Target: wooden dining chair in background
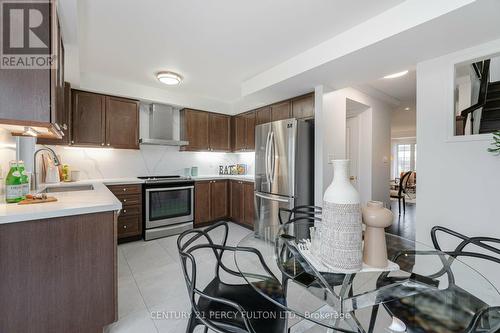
x=400 y=194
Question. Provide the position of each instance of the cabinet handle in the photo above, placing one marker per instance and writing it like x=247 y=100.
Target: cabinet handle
x=108 y=144
x=124 y=200
x=102 y=143
x=124 y=211
x=124 y=227
x=124 y=189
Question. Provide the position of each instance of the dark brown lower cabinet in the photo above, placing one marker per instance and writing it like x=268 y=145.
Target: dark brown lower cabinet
x=59 y=274
x=236 y=190
x=242 y=202
x=219 y=202
x=129 y=222
x=201 y=203
x=211 y=201
x=248 y=203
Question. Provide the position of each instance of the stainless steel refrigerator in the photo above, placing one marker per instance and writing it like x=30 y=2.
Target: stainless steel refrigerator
x=284 y=170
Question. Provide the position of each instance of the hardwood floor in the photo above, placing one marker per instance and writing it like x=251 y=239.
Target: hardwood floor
x=404 y=225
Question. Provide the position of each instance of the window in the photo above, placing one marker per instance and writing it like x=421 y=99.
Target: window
x=404 y=158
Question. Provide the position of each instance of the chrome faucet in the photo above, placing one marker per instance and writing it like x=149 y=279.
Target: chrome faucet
x=54 y=157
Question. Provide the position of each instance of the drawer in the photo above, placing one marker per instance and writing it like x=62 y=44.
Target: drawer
x=125 y=189
x=128 y=210
x=129 y=200
x=129 y=226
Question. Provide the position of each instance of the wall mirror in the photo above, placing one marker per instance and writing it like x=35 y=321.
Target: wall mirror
x=477 y=96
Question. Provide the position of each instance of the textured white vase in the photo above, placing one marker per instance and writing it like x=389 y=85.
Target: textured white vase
x=341 y=229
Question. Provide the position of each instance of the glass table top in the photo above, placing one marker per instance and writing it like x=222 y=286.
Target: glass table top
x=430 y=292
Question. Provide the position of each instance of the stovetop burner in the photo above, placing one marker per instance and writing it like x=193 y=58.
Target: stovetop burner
x=164 y=179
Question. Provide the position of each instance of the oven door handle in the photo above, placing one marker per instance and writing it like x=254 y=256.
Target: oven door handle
x=169 y=189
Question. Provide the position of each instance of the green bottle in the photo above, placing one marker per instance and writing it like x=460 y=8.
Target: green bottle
x=13 y=184
x=24 y=179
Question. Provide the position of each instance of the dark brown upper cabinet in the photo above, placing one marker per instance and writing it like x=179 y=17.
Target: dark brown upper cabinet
x=64 y=119
x=205 y=131
x=122 y=123
x=104 y=121
x=263 y=115
x=250 y=130
x=194 y=128
x=34 y=97
x=219 y=129
x=239 y=133
x=280 y=111
x=303 y=107
x=89 y=118
x=243 y=134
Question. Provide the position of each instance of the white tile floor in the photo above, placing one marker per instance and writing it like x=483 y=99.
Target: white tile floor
x=150 y=279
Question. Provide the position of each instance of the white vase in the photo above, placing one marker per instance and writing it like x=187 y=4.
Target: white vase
x=341 y=228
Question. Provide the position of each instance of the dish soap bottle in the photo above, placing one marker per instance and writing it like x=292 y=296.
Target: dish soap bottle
x=13 y=184
x=66 y=173
x=24 y=179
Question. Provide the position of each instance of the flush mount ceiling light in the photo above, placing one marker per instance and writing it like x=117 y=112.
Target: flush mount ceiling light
x=395 y=75
x=407 y=109
x=169 y=78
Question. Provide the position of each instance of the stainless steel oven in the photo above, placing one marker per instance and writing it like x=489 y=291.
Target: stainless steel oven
x=168 y=207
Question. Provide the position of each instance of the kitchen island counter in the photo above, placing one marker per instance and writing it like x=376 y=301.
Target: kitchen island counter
x=100 y=199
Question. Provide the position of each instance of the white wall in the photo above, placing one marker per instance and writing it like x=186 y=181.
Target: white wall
x=318 y=146
x=458 y=180
x=404 y=122
x=374 y=145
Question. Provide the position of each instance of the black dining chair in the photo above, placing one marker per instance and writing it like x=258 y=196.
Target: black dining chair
x=465 y=305
x=226 y=307
x=400 y=194
x=304 y=210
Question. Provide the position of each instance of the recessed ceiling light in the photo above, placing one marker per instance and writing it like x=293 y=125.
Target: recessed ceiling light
x=169 y=78
x=395 y=75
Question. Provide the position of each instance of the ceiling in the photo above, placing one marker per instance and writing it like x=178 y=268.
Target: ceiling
x=215 y=45
x=403 y=90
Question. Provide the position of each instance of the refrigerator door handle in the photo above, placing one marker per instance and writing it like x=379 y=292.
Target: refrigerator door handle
x=272 y=156
x=271 y=198
x=267 y=157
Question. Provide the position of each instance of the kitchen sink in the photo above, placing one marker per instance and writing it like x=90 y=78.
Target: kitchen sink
x=56 y=189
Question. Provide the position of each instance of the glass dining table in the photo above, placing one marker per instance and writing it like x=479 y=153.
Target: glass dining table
x=425 y=290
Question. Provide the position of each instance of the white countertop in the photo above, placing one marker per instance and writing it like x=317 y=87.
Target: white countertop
x=100 y=199
x=246 y=178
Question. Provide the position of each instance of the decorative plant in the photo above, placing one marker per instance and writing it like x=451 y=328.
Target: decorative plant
x=495 y=143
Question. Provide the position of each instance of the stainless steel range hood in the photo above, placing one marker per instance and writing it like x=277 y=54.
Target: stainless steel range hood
x=162 y=126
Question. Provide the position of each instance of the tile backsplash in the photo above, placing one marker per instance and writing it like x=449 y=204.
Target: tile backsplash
x=148 y=161
x=116 y=163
